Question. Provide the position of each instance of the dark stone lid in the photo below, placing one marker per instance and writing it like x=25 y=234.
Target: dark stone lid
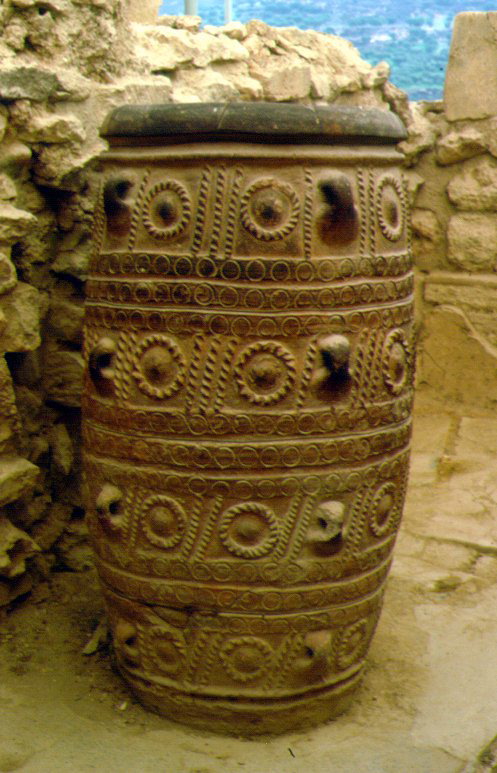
x=250 y=122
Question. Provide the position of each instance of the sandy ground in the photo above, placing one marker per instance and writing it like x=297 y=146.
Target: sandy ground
x=428 y=703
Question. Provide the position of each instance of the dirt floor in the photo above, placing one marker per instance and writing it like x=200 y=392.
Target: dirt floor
x=428 y=703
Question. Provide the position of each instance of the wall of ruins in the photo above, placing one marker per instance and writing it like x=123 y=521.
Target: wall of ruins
x=64 y=65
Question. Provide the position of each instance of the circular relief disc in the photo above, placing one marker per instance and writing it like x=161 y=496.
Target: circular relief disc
x=390 y=207
x=264 y=372
x=167 y=652
x=396 y=358
x=166 y=210
x=269 y=209
x=249 y=530
x=383 y=509
x=164 y=521
x=246 y=657
x=159 y=366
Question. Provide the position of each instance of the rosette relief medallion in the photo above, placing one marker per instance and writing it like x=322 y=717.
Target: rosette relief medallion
x=249 y=358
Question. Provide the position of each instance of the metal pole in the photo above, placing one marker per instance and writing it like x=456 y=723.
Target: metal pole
x=191 y=7
x=228 y=11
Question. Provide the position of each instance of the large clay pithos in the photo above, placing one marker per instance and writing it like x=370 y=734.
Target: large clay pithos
x=248 y=337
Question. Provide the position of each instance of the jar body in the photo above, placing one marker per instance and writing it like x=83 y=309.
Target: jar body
x=248 y=338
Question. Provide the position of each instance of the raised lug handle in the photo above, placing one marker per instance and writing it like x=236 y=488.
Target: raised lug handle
x=100 y=364
x=109 y=505
x=116 y=206
x=339 y=223
x=327 y=522
x=335 y=353
x=126 y=641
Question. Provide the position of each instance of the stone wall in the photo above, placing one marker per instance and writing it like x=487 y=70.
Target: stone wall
x=453 y=162
x=64 y=65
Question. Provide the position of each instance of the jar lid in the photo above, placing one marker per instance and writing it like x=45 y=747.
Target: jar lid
x=268 y=122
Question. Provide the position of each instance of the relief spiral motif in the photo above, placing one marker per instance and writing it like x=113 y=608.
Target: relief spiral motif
x=249 y=530
x=269 y=209
x=166 y=210
x=159 y=366
x=265 y=372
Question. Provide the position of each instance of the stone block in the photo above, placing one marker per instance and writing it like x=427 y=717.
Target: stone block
x=460 y=145
x=9 y=418
x=14 y=155
x=429 y=240
x=8 y=190
x=235 y=30
x=73 y=550
x=217 y=48
x=283 y=80
x=4 y=119
x=183 y=22
x=213 y=87
x=14 y=222
x=63 y=376
x=17 y=478
x=34 y=83
x=456 y=363
x=52 y=129
x=471 y=79
x=143 y=11
x=65 y=320
x=475 y=295
x=422 y=135
x=62 y=449
x=22 y=310
x=48 y=530
x=8 y=274
x=475 y=188
x=15 y=548
x=472 y=242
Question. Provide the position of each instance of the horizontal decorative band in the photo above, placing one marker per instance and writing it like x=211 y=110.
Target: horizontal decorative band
x=169 y=295
x=161 y=265
x=245 y=456
x=170 y=423
x=253 y=486
x=272 y=601
x=350 y=575
x=230 y=323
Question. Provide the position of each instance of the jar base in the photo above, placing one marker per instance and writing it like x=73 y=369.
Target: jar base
x=240 y=717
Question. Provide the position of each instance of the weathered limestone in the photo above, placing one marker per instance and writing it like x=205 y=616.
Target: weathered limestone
x=475 y=296
x=63 y=376
x=21 y=308
x=450 y=347
x=458 y=146
x=143 y=11
x=472 y=242
x=428 y=237
x=475 y=188
x=471 y=79
x=17 y=477
x=15 y=548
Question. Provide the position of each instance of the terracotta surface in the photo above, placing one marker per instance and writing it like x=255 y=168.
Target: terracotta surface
x=248 y=341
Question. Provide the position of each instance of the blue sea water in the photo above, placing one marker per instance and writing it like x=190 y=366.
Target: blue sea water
x=413 y=37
